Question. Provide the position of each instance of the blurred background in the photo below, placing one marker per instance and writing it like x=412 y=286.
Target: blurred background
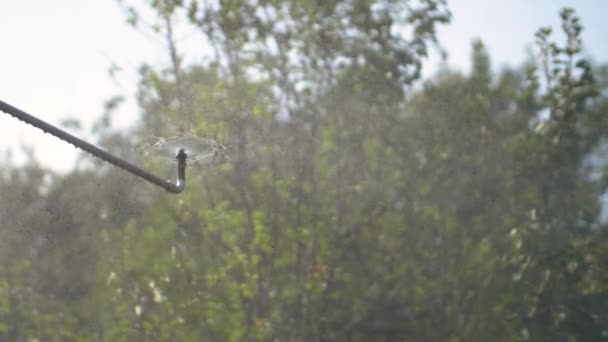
x=361 y=171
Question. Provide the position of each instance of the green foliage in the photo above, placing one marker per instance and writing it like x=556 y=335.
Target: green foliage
x=345 y=209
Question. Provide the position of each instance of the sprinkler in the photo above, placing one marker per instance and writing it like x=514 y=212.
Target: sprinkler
x=101 y=154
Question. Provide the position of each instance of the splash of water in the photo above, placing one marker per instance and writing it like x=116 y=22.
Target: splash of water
x=200 y=150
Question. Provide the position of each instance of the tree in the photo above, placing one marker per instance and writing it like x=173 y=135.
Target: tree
x=346 y=205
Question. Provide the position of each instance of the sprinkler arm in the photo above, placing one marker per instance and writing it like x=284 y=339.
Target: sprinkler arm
x=181 y=171
x=101 y=154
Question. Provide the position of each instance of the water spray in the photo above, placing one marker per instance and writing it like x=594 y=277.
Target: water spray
x=101 y=154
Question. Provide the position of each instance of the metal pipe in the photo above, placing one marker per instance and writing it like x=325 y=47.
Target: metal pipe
x=101 y=154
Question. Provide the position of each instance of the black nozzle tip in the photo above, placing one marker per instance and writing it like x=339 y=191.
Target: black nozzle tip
x=181 y=155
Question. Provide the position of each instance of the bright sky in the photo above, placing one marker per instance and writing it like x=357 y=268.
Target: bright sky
x=55 y=56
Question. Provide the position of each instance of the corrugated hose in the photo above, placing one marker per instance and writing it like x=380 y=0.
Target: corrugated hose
x=101 y=154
